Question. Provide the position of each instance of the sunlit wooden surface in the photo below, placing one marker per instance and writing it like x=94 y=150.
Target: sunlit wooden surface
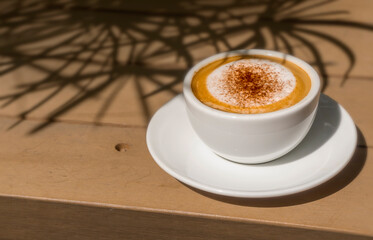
x=79 y=77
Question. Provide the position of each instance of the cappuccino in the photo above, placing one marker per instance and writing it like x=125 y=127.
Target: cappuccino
x=250 y=84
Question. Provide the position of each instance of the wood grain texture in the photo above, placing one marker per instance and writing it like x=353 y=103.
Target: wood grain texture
x=28 y=219
x=77 y=78
x=78 y=163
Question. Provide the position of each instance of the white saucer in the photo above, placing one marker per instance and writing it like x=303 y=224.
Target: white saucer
x=324 y=152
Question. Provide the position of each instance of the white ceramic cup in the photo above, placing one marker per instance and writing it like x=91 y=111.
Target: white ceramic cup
x=252 y=138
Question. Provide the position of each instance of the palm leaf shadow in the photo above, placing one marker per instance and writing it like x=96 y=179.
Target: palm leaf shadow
x=112 y=26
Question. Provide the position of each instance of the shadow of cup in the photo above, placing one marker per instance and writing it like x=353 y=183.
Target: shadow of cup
x=326 y=122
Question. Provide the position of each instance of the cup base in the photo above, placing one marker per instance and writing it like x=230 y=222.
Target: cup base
x=254 y=160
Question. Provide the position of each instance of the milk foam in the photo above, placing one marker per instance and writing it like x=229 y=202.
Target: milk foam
x=220 y=84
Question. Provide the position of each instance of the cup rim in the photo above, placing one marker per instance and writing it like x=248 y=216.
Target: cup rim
x=192 y=99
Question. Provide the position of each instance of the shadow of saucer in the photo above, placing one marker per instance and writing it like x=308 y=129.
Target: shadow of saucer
x=341 y=180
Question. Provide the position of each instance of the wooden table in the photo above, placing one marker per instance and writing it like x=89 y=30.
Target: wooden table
x=77 y=78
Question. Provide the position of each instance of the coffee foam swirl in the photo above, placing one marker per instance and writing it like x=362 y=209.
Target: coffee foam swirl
x=251 y=82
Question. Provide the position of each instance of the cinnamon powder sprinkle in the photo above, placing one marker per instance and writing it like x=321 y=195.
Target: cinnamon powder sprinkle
x=250 y=83
x=255 y=84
